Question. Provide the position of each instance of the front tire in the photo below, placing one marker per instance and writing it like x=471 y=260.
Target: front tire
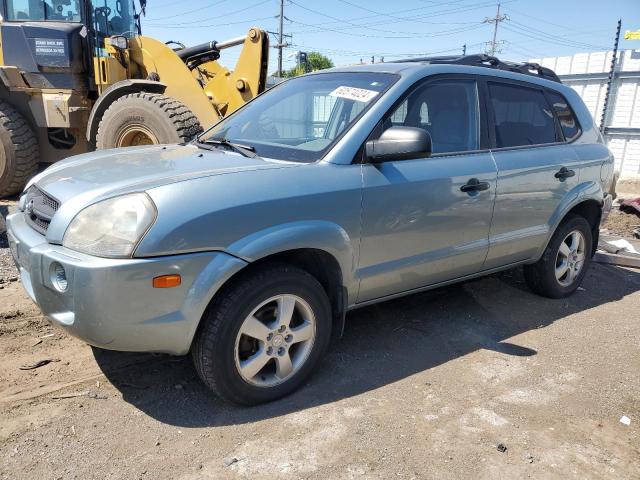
x=262 y=337
x=565 y=261
x=146 y=119
x=18 y=153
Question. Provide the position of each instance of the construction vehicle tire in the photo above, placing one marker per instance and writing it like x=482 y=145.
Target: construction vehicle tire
x=146 y=119
x=19 y=153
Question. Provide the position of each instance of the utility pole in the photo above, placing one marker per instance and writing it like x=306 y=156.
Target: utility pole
x=280 y=38
x=493 y=45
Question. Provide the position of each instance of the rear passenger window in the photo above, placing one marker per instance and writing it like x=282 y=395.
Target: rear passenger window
x=568 y=121
x=522 y=116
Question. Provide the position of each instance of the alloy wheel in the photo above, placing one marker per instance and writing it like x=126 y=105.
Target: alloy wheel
x=275 y=340
x=570 y=258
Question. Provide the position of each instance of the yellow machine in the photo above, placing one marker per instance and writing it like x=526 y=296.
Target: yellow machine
x=76 y=75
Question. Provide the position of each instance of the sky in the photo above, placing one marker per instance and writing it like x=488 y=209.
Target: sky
x=348 y=31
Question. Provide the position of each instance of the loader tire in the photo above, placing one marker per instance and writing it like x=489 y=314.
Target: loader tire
x=146 y=119
x=19 y=153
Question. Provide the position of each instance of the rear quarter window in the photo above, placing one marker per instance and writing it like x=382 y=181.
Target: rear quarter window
x=566 y=116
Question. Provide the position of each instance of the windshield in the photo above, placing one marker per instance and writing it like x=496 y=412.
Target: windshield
x=301 y=119
x=114 y=17
x=38 y=11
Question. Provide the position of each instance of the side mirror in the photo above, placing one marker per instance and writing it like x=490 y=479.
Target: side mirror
x=399 y=143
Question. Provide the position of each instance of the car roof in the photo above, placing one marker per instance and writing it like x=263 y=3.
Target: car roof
x=418 y=69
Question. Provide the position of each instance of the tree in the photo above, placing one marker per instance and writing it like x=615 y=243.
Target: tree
x=314 y=61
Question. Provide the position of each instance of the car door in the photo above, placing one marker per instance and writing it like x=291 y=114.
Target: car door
x=427 y=220
x=536 y=169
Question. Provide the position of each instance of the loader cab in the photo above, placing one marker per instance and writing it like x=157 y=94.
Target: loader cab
x=53 y=42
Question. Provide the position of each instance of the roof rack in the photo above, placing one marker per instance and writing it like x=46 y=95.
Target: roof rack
x=482 y=60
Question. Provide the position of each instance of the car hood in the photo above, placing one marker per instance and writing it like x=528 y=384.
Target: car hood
x=107 y=173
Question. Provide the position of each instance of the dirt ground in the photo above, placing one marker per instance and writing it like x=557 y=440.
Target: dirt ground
x=427 y=386
x=620 y=223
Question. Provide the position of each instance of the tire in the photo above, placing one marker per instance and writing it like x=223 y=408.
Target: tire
x=541 y=276
x=146 y=119
x=217 y=349
x=19 y=154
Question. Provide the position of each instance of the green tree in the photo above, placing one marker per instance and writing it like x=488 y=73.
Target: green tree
x=315 y=61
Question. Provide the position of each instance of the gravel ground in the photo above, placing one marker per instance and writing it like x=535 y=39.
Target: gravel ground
x=479 y=380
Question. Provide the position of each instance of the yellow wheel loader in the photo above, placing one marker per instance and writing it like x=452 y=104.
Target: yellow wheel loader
x=76 y=75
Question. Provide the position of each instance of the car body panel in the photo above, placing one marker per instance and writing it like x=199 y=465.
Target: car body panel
x=418 y=228
x=312 y=206
x=527 y=195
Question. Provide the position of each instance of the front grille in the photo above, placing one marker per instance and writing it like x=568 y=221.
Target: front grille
x=39 y=209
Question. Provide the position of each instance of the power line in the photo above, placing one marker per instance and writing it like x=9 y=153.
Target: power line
x=561 y=38
x=250 y=21
x=546 y=38
x=332 y=27
x=190 y=24
x=493 y=45
x=206 y=7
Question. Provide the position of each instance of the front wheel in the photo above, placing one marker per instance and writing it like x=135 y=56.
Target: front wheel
x=263 y=337
x=146 y=119
x=564 y=262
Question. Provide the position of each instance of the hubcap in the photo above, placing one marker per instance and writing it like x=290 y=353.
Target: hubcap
x=134 y=135
x=275 y=340
x=570 y=258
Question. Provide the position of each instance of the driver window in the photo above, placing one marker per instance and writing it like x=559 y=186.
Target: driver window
x=38 y=10
x=448 y=110
x=114 y=17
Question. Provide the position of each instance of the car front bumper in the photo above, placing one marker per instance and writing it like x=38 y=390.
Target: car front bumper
x=111 y=303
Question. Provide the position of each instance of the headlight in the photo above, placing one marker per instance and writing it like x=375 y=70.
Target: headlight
x=111 y=228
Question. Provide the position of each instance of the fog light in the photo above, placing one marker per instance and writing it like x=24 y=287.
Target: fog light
x=59 y=277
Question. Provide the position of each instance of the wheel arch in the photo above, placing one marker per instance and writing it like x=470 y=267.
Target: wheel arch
x=319 y=263
x=587 y=201
x=113 y=93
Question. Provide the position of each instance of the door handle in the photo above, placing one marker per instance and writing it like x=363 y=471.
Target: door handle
x=564 y=173
x=474 y=185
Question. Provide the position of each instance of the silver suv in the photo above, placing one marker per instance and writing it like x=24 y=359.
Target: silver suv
x=329 y=192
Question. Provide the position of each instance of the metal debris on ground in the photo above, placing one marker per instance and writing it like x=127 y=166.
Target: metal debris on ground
x=230 y=461
x=97 y=396
x=38 y=364
x=70 y=395
x=86 y=393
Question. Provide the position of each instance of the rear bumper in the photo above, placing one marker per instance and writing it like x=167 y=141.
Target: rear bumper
x=111 y=303
x=606 y=207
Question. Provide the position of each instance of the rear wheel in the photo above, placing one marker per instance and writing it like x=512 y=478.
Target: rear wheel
x=19 y=153
x=564 y=262
x=262 y=337
x=146 y=119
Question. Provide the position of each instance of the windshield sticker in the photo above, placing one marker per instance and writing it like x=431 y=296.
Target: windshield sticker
x=353 y=93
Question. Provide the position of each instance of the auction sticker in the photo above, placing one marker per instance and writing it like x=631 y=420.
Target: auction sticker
x=353 y=93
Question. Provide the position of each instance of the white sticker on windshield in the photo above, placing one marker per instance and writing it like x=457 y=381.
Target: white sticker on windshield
x=353 y=93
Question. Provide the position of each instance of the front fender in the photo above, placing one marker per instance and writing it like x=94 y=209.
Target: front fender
x=308 y=234
x=113 y=93
x=579 y=194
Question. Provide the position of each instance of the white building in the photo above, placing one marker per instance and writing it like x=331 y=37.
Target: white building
x=588 y=73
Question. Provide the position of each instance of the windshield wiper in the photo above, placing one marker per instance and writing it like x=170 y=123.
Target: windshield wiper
x=244 y=150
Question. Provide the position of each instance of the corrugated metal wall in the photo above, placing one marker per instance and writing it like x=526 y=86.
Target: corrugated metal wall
x=587 y=74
